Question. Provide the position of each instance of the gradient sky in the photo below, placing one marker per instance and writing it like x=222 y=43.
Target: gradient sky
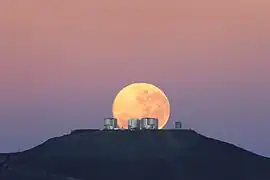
x=62 y=63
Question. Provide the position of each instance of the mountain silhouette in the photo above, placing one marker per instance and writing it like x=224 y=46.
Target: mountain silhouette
x=135 y=155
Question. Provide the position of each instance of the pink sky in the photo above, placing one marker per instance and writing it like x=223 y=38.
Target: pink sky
x=62 y=62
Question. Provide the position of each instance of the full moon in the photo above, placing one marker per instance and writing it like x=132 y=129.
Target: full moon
x=141 y=100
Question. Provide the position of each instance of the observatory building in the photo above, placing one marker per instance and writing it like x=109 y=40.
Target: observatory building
x=110 y=123
x=178 y=125
x=134 y=124
x=149 y=123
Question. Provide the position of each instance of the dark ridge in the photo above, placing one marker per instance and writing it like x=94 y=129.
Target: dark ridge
x=77 y=131
x=154 y=154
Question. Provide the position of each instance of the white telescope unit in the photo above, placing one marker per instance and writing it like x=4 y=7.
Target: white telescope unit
x=149 y=123
x=110 y=123
x=134 y=124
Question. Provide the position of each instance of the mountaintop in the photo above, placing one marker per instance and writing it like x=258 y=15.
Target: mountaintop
x=153 y=154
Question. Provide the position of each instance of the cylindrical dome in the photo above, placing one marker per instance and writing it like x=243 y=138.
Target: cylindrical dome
x=134 y=124
x=149 y=123
x=110 y=123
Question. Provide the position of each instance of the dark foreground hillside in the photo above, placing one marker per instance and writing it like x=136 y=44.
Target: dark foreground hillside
x=138 y=155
